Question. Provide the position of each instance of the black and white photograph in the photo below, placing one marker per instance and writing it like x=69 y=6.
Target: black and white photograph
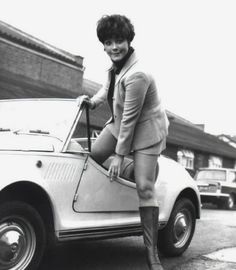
x=117 y=135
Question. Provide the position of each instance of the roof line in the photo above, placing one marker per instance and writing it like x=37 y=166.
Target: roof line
x=39 y=45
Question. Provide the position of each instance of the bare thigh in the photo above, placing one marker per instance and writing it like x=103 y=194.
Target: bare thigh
x=104 y=146
x=145 y=170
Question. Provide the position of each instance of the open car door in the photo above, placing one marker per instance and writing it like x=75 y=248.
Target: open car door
x=96 y=192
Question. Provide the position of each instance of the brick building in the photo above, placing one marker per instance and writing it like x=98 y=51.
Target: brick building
x=231 y=140
x=30 y=67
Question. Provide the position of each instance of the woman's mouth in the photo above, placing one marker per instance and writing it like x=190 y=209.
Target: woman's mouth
x=116 y=53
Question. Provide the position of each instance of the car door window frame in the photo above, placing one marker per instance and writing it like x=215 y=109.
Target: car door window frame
x=76 y=121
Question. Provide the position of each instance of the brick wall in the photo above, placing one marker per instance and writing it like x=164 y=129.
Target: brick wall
x=26 y=73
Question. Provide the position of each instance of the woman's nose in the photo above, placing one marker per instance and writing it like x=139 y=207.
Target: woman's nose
x=114 y=45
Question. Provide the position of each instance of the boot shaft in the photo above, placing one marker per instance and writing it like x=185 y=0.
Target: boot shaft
x=149 y=220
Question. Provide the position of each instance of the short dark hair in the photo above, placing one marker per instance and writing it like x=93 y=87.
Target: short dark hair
x=115 y=26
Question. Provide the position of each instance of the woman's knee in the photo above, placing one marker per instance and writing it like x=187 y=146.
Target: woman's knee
x=145 y=191
x=103 y=147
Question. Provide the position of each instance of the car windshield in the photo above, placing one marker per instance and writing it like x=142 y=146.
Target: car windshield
x=47 y=117
x=211 y=175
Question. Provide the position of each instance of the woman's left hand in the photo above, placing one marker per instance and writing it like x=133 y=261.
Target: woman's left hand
x=115 y=167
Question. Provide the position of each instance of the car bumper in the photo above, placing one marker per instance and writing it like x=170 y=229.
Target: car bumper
x=213 y=197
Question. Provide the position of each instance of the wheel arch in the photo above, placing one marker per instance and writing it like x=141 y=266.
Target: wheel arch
x=37 y=197
x=192 y=196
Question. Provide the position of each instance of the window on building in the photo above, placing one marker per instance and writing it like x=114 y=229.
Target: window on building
x=186 y=158
x=215 y=162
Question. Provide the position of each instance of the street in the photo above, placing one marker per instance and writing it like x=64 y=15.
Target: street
x=215 y=231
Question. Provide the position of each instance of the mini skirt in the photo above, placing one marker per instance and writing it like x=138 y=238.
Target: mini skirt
x=155 y=149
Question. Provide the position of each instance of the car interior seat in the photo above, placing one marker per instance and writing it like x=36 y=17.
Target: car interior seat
x=127 y=169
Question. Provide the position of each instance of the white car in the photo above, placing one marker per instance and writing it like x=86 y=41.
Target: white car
x=52 y=191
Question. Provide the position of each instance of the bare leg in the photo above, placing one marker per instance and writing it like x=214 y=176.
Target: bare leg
x=104 y=146
x=145 y=172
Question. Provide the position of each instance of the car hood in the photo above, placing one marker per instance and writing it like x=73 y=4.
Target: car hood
x=27 y=142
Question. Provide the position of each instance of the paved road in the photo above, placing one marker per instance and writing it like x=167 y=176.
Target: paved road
x=215 y=231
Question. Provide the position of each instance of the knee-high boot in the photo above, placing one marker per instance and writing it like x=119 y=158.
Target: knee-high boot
x=149 y=220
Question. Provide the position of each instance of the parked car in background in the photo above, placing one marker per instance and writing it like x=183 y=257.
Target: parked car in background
x=217 y=186
x=52 y=191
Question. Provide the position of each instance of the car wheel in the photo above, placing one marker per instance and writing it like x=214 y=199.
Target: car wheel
x=22 y=236
x=175 y=238
x=229 y=204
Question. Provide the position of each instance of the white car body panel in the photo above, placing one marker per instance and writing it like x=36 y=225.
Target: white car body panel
x=105 y=194
x=60 y=175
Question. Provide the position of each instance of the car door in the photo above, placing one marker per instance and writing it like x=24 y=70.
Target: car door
x=97 y=192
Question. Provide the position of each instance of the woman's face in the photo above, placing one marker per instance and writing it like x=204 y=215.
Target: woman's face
x=116 y=48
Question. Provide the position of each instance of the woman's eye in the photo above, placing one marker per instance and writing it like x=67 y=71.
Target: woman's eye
x=107 y=42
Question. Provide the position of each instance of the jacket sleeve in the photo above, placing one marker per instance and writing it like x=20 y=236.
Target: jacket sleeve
x=136 y=87
x=101 y=96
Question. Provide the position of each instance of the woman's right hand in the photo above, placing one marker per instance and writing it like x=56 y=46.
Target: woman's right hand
x=87 y=100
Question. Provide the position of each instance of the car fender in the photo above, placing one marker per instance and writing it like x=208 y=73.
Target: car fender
x=172 y=181
x=17 y=167
x=52 y=172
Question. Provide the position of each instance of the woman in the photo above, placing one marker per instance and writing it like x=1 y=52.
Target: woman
x=138 y=123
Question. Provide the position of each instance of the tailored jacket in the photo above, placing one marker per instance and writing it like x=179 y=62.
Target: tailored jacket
x=140 y=121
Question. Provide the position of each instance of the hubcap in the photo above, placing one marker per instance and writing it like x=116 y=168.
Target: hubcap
x=17 y=244
x=182 y=228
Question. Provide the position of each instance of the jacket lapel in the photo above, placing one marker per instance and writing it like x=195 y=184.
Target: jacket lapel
x=130 y=62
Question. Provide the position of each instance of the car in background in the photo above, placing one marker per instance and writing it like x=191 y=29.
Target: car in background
x=52 y=191
x=217 y=186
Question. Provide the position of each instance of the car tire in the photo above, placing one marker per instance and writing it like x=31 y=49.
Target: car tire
x=175 y=238
x=22 y=236
x=229 y=203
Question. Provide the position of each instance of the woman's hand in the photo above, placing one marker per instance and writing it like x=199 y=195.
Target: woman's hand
x=87 y=100
x=115 y=167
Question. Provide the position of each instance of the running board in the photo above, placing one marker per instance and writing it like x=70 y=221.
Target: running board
x=103 y=232
x=100 y=232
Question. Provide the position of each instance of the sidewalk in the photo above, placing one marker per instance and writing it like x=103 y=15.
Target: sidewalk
x=221 y=259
